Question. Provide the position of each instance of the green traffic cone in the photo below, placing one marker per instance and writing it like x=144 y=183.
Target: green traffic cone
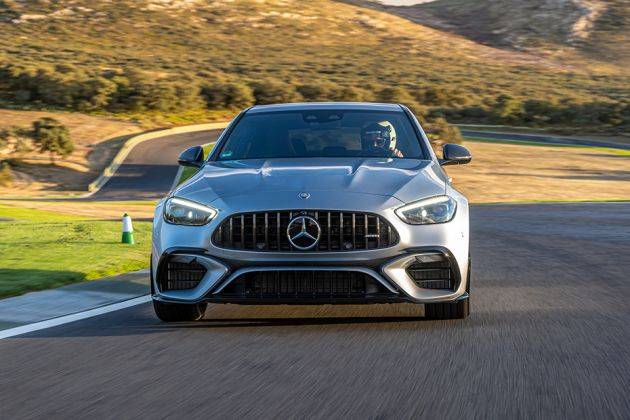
x=127 y=230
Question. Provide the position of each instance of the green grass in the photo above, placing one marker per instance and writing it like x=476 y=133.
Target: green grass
x=41 y=249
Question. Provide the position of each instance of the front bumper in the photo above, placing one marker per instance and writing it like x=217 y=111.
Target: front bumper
x=391 y=275
x=386 y=266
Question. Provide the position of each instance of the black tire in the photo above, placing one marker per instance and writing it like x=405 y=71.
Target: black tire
x=451 y=310
x=178 y=312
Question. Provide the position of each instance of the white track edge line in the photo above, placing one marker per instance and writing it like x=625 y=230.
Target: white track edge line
x=53 y=322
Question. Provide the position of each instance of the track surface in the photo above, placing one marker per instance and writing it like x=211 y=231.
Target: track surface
x=549 y=336
x=149 y=170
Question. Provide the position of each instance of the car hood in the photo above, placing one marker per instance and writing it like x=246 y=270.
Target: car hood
x=404 y=179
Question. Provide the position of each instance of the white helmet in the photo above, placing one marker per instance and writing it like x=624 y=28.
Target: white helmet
x=380 y=135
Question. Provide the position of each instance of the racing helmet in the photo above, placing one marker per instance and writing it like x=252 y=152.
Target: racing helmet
x=380 y=135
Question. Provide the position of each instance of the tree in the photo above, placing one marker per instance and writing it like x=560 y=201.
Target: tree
x=6 y=178
x=53 y=137
x=441 y=132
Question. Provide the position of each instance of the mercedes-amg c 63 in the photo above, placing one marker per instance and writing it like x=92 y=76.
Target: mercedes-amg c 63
x=317 y=203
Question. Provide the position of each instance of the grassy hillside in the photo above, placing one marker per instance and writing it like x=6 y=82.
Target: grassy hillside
x=595 y=29
x=172 y=56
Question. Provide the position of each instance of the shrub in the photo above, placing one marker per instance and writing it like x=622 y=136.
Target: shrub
x=53 y=137
x=432 y=96
x=394 y=94
x=315 y=92
x=507 y=110
x=6 y=178
x=352 y=94
x=95 y=93
x=273 y=92
x=5 y=135
x=441 y=132
x=228 y=95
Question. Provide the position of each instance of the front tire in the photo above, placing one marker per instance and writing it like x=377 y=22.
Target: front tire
x=450 y=310
x=179 y=312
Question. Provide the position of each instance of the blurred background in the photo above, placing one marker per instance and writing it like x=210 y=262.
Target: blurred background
x=79 y=79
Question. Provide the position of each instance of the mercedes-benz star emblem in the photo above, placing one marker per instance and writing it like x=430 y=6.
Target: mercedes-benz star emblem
x=304 y=195
x=304 y=232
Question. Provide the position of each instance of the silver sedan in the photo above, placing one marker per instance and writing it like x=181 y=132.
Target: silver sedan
x=340 y=203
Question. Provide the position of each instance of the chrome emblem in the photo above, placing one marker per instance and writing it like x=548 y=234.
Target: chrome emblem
x=304 y=232
x=304 y=195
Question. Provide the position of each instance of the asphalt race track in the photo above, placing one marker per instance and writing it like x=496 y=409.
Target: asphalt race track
x=150 y=168
x=548 y=337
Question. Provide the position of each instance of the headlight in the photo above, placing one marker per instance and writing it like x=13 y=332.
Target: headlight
x=438 y=209
x=185 y=212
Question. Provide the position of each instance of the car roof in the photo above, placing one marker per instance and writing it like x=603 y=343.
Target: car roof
x=306 y=106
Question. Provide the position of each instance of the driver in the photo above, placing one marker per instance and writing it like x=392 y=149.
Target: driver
x=379 y=140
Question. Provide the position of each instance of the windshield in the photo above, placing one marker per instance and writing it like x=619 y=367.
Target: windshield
x=322 y=133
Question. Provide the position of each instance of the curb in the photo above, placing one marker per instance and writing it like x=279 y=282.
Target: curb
x=122 y=154
x=32 y=308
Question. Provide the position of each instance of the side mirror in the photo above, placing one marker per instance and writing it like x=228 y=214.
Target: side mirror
x=454 y=154
x=191 y=157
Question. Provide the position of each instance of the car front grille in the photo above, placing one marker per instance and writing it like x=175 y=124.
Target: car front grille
x=433 y=271
x=180 y=273
x=303 y=285
x=340 y=231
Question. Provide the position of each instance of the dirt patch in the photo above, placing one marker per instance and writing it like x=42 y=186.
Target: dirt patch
x=504 y=172
x=97 y=139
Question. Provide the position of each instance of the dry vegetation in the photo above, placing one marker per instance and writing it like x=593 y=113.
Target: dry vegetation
x=505 y=172
x=591 y=32
x=172 y=56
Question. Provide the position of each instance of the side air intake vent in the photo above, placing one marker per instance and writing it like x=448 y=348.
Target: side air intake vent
x=432 y=271
x=180 y=272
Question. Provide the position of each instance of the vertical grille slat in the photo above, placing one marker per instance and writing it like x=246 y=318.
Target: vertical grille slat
x=329 y=231
x=266 y=232
x=366 y=232
x=354 y=231
x=231 y=242
x=340 y=231
x=278 y=230
x=242 y=240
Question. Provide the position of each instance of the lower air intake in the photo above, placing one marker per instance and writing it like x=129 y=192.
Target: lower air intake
x=303 y=285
